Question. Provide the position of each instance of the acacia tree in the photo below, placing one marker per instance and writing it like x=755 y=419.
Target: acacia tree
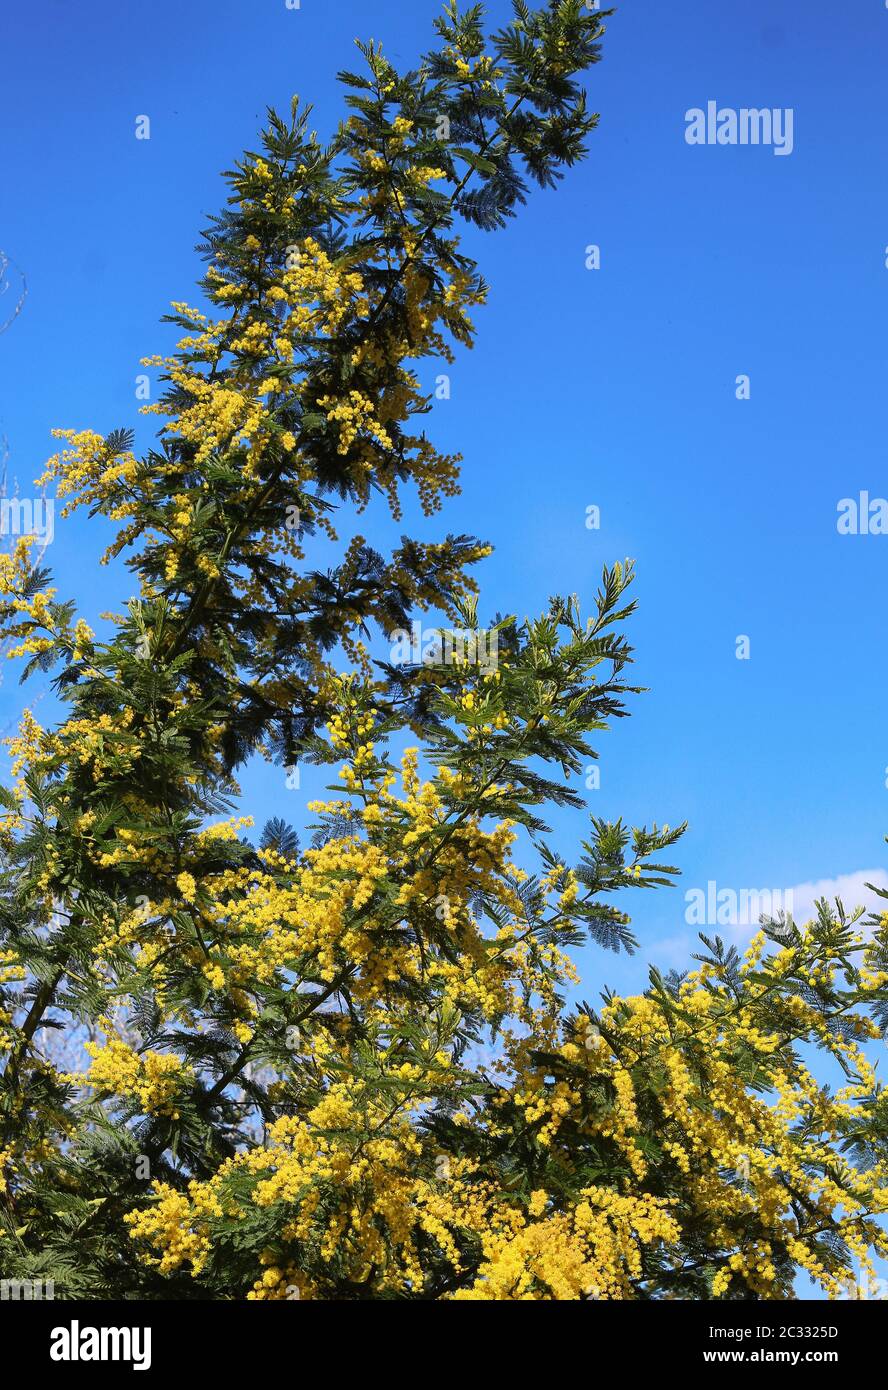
x=348 y=1070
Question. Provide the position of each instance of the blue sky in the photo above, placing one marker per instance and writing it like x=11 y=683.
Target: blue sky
x=613 y=387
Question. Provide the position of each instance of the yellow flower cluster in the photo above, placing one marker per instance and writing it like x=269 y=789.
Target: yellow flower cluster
x=87 y=472
x=151 y=1078
x=757 y=1168
x=354 y=416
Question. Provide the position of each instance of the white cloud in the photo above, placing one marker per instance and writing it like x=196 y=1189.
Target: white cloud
x=674 y=952
x=851 y=888
x=735 y=913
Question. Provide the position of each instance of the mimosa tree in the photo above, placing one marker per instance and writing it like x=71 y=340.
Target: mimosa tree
x=346 y=1069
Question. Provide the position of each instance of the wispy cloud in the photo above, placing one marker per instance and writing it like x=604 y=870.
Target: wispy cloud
x=675 y=952
x=851 y=888
x=734 y=914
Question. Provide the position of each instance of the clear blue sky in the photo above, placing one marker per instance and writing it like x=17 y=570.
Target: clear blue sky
x=614 y=387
